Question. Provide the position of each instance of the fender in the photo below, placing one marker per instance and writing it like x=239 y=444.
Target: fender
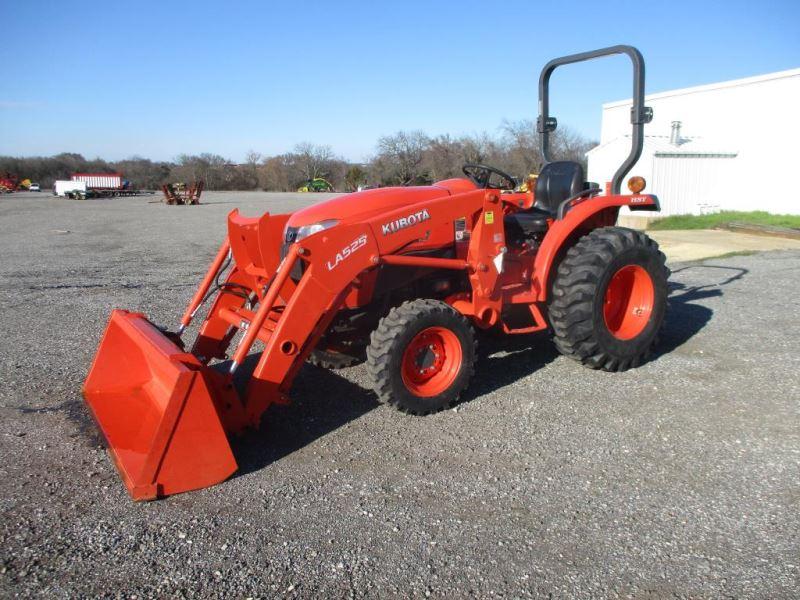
x=600 y=211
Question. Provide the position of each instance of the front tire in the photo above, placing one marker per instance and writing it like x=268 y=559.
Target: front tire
x=609 y=298
x=421 y=356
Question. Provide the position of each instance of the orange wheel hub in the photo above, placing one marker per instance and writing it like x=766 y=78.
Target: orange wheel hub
x=431 y=361
x=629 y=300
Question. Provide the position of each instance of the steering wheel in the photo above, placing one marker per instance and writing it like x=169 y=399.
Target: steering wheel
x=481 y=175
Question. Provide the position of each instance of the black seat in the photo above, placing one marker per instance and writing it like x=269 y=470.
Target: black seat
x=558 y=181
x=525 y=225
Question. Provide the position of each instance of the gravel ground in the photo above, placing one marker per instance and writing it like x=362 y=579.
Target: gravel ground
x=676 y=479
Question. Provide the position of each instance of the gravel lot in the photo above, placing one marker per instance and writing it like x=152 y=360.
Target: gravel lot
x=676 y=479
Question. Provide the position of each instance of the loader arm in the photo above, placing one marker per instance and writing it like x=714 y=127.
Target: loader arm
x=332 y=261
x=263 y=298
x=163 y=411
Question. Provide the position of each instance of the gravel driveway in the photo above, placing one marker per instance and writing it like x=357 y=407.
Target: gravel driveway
x=679 y=478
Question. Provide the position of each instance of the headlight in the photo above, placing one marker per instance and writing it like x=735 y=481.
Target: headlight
x=295 y=234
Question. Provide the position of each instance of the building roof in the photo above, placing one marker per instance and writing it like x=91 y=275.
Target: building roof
x=659 y=145
x=711 y=86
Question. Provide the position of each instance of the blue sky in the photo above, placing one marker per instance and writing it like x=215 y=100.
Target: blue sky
x=157 y=79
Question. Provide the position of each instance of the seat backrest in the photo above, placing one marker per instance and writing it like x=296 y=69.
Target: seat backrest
x=558 y=181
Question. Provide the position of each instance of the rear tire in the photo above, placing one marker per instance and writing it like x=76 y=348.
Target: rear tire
x=609 y=298
x=421 y=356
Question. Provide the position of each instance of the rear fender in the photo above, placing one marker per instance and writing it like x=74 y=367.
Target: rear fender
x=601 y=211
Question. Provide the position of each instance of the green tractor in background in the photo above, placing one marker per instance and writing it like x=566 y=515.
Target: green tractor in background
x=318 y=184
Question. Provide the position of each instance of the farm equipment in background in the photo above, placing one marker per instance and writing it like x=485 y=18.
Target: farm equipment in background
x=95 y=185
x=318 y=184
x=399 y=277
x=182 y=193
x=529 y=184
x=11 y=183
x=8 y=183
x=104 y=185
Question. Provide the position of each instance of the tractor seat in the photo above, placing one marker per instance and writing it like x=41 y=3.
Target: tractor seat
x=558 y=181
x=525 y=225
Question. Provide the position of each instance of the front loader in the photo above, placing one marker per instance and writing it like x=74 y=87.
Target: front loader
x=398 y=277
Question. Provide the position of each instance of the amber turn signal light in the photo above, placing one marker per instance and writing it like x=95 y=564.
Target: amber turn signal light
x=636 y=184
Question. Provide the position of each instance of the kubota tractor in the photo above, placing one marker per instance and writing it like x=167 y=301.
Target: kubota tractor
x=401 y=276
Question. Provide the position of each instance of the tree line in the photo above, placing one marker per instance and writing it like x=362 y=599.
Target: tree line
x=403 y=158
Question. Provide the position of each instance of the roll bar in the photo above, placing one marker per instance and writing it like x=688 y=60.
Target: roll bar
x=640 y=114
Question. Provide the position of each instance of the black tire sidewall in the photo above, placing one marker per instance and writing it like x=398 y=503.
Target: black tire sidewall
x=421 y=404
x=651 y=262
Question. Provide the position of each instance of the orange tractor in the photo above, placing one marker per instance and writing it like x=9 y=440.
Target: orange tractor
x=399 y=277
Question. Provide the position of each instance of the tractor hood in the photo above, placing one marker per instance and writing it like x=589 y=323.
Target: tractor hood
x=359 y=206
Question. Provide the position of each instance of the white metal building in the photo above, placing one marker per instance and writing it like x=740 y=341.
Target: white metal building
x=725 y=146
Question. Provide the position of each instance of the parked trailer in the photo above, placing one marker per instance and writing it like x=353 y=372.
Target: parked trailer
x=103 y=185
x=100 y=181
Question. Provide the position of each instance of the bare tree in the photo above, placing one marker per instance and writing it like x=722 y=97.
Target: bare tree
x=523 y=146
x=405 y=158
x=443 y=157
x=252 y=158
x=274 y=174
x=400 y=158
x=313 y=161
x=354 y=177
x=520 y=141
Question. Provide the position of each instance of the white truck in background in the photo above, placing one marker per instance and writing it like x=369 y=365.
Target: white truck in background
x=65 y=188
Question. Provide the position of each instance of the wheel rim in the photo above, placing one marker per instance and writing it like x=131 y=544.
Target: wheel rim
x=431 y=361
x=628 y=302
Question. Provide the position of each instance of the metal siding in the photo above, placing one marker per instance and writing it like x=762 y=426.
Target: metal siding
x=692 y=185
x=714 y=114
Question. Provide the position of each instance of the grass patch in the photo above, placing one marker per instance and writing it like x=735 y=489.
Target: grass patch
x=756 y=217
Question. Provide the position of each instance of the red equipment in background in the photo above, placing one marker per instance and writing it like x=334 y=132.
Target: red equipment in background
x=100 y=181
x=8 y=183
x=182 y=193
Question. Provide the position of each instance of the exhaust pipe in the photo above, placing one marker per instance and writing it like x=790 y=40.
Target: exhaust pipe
x=675 y=135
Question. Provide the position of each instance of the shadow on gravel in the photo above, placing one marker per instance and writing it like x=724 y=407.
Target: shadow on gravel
x=685 y=318
x=322 y=401
x=78 y=414
x=519 y=356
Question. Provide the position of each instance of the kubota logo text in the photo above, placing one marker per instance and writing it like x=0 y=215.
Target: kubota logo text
x=347 y=251
x=402 y=223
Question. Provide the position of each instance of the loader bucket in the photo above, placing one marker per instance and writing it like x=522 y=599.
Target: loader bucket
x=153 y=403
